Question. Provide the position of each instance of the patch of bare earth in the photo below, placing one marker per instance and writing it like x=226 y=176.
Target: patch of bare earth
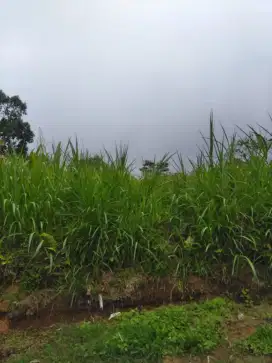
x=20 y=312
x=120 y=291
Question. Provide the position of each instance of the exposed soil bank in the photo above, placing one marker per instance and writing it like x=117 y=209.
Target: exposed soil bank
x=119 y=291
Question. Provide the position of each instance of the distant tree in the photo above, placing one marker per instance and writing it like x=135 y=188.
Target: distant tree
x=159 y=167
x=15 y=134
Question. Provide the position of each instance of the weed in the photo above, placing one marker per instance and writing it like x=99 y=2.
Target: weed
x=260 y=343
x=245 y=296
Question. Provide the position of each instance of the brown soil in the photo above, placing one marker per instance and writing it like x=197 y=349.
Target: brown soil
x=123 y=290
x=4 y=325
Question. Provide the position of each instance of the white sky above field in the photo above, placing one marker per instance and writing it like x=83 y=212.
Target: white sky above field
x=144 y=72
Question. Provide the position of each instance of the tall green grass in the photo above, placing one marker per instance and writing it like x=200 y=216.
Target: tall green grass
x=65 y=216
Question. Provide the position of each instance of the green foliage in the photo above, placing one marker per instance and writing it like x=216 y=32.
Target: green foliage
x=156 y=167
x=15 y=134
x=260 y=343
x=68 y=215
x=145 y=337
x=170 y=331
x=254 y=143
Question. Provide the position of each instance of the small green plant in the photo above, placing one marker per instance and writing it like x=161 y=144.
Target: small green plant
x=245 y=295
x=259 y=343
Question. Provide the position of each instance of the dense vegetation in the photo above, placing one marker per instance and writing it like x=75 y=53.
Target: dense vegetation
x=66 y=215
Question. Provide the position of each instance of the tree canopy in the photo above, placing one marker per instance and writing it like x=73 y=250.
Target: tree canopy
x=15 y=134
x=157 y=167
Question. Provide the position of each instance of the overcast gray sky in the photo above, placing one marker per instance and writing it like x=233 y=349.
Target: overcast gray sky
x=145 y=72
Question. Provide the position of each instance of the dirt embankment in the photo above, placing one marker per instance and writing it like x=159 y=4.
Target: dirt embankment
x=119 y=291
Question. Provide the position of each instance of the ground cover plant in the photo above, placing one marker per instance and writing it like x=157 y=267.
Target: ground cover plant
x=138 y=337
x=259 y=343
x=66 y=217
x=195 y=332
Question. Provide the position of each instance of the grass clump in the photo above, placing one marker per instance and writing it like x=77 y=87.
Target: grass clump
x=148 y=337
